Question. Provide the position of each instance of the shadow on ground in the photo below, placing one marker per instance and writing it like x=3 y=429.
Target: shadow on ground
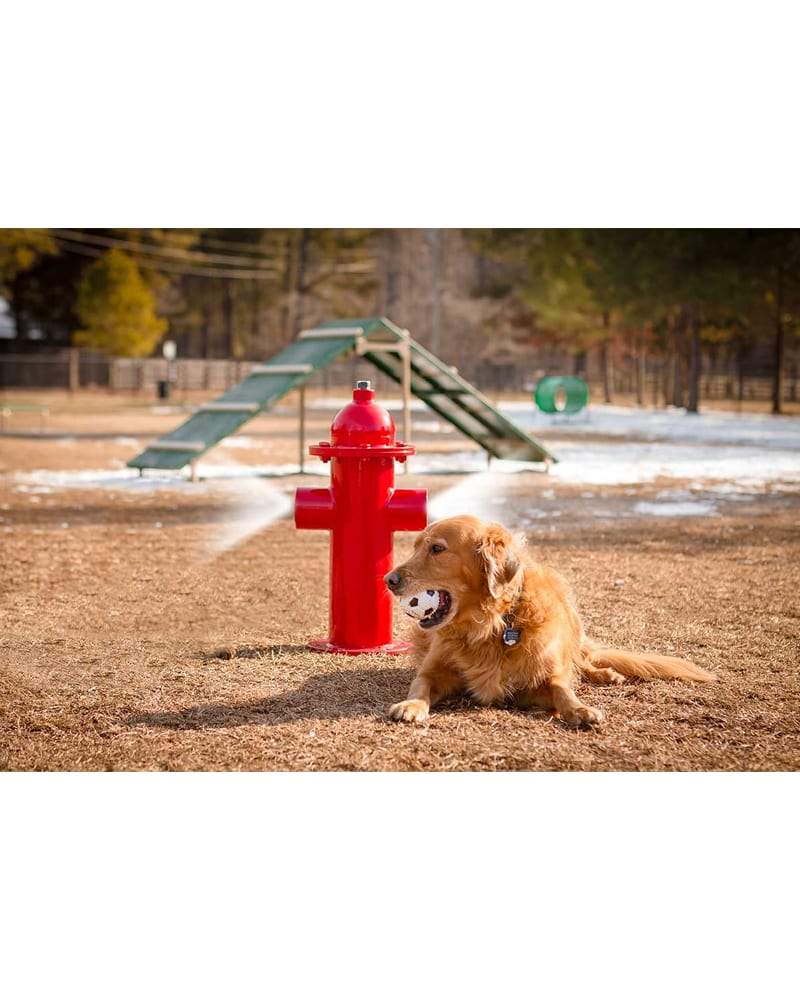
x=336 y=694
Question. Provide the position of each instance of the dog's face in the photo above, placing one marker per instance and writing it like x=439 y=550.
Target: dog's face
x=458 y=564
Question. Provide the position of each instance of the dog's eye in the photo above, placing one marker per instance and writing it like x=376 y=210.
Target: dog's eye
x=436 y=549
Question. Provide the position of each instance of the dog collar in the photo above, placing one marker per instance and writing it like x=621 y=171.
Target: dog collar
x=511 y=635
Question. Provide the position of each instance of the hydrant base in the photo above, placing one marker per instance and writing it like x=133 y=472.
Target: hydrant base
x=394 y=648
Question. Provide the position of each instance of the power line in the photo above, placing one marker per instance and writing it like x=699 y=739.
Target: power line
x=198 y=256
x=254 y=250
x=190 y=256
x=161 y=265
x=256 y=262
x=87 y=250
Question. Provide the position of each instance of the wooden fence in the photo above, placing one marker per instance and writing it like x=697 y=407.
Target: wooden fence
x=74 y=369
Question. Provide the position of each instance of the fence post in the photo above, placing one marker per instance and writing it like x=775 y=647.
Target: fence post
x=74 y=368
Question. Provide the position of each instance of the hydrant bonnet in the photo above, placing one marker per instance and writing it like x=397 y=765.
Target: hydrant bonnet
x=363 y=422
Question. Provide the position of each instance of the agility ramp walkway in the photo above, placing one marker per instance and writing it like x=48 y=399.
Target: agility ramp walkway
x=379 y=341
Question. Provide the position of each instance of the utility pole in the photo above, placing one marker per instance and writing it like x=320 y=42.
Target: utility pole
x=391 y=271
x=434 y=238
x=780 y=347
x=695 y=365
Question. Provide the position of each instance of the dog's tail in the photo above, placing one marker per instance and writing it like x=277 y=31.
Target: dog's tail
x=645 y=665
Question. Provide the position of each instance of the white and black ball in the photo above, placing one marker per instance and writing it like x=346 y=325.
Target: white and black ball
x=421 y=605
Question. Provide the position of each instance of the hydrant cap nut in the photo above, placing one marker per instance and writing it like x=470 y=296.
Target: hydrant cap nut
x=363 y=422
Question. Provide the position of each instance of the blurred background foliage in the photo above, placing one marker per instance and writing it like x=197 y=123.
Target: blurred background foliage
x=597 y=301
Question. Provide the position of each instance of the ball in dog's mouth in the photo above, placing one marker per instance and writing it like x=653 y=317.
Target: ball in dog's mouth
x=428 y=607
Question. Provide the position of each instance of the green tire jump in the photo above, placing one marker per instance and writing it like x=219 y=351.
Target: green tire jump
x=561 y=394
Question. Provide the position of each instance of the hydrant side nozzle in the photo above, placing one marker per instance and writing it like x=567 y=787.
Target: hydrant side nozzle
x=408 y=510
x=313 y=508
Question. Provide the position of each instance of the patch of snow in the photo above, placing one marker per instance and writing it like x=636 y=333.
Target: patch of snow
x=675 y=508
x=743 y=490
x=82 y=478
x=625 y=464
x=338 y=402
x=238 y=441
x=433 y=427
x=605 y=464
x=535 y=514
x=671 y=424
x=153 y=480
x=454 y=462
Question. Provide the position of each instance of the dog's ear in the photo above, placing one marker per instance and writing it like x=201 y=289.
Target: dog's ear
x=498 y=559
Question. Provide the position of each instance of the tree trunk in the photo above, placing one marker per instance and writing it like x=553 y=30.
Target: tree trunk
x=666 y=373
x=288 y=285
x=730 y=377
x=21 y=324
x=434 y=237
x=740 y=375
x=641 y=371
x=606 y=362
x=695 y=366
x=677 y=363
x=206 y=331
x=656 y=373
x=780 y=347
x=227 y=319
x=254 y=348
x=391 y=271
x=300 y=286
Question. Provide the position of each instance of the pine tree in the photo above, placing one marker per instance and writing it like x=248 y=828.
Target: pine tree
x=20 y=250
x=117 y=308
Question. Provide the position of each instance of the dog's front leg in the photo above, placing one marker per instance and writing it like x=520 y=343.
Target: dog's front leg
x=558 y=689
x=571 y=708
x=434 y=681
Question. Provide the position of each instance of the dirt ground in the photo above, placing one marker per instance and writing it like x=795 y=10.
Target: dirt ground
x=129 y=641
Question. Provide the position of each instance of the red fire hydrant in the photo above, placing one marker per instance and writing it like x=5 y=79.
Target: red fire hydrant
x=361 y=509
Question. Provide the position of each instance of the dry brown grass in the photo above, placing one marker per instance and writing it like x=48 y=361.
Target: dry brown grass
x=110 y=652
x=124 y=647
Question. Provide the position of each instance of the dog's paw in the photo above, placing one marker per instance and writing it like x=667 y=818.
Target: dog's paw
x=582 y=716
x=413 y=710
x=607 y=676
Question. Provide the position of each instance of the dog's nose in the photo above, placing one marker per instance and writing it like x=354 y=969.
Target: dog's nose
x=393 y=581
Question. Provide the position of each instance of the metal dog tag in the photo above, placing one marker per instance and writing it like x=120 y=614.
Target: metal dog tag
x=511 y=636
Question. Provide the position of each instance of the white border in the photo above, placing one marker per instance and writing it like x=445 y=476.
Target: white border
x=399 y=885
x=363 y=114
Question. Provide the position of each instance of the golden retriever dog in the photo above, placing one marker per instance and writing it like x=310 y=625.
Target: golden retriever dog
x=503 y=627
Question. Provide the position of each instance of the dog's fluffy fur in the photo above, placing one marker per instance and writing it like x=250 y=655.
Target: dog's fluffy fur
x=488 y=576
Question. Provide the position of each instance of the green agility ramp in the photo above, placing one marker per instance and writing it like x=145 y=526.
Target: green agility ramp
x=379 y=341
